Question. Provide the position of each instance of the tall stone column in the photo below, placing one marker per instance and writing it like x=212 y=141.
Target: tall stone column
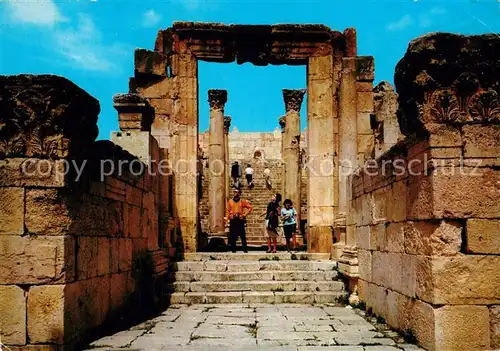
x=216 y=160
x=227 y=125
x=282 y=123
x=348 y=151
x=291 y=147
x=321 y=116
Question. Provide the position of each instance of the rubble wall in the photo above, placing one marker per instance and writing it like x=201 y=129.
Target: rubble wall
x=426 y=213
x=76 y=249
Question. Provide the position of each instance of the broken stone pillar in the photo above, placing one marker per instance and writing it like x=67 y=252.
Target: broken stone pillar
x=291 y=148
x=227 y=125
x=384 y=120
x=216 y=161
x=321 y=153
x=348 y=146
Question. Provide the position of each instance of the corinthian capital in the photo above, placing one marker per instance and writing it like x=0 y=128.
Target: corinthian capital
x=217 y=98
x=227 y=123
x=293 y=99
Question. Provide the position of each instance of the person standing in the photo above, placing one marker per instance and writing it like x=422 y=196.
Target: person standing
x=289 y=216
x=237 y=210
x=249 y=175
x=236 y=174
x=272 y=213
x=267 y=177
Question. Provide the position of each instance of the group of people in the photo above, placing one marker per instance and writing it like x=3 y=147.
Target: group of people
x=238 y=209
x=236 y=175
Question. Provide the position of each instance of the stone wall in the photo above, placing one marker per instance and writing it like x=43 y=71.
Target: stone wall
x=76 y=249
x=426 y=213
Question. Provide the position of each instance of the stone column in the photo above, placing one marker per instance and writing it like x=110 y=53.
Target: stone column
x=291 y=148
x=216 y=161
x=227 y=125
x=282 y=124
x=321 y=153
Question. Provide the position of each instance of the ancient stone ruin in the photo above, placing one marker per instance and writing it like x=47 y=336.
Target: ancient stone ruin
x=397 y=188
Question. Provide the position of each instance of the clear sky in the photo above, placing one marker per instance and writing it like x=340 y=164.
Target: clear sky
x=92 y=43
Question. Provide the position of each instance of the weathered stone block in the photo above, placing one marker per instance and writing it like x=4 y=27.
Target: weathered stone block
x=429 y=238
x=471 y=193
x=320 y=67
x=125 y=254
x=365 y=101
x=495 y=326
x=457 y=279
x=12 y=210
x=36 y=260
x=87 y=257
x=483 y=236
x=46 y=314
x=419 y=197
x=132 y=220
x=363 y=237
x=396 y=207
x=12 y=315
x=103 y=256
x=444 y=135
x=380 y=204
x=365 y=265
x=462 y=328
x=481 y=140
x=395 y=238
x=47 y=212
x=32 y=172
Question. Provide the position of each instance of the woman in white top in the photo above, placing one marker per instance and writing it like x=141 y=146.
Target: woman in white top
x=249 y=175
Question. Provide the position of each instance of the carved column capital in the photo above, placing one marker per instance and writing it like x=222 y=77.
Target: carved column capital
x=227 y=123
x=282 y=122
x=293 y=99
x=134 y=112
x=217 y=98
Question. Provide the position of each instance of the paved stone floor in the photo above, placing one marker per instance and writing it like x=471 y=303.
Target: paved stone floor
x=254 y=327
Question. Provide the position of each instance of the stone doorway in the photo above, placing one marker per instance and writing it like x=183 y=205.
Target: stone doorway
x=336 y=77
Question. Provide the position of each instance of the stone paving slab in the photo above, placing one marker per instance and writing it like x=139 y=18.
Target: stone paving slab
x=253 y=327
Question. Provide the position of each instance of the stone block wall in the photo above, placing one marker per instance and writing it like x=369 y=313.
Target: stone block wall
x=426 y=213
x=77 y=249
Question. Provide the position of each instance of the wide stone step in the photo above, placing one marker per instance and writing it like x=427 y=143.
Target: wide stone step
x=208 y=276
x=254 y=256
x=271 y=285
x=273 y=297
x=247 y=266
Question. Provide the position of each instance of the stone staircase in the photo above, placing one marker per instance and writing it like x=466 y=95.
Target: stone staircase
x=259 y=196
x=255 y=277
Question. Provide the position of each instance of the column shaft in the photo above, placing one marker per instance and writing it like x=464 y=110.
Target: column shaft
x=291 y=149
x=348 y=130
x=216 y=160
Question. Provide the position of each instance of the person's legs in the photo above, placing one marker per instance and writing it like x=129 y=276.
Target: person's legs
x=233 y=234
x=294 y=238
x=275 y=244
x=288 y=234
x=243 y=235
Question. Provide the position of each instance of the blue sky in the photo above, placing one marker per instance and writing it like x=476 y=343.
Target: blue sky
x=92 y=43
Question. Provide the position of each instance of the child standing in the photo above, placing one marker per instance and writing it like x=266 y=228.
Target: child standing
x=289 y=216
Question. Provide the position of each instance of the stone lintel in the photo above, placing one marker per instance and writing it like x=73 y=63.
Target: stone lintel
x=227 y=123
x=290 y=44
x=293 y=99
x=217 y=98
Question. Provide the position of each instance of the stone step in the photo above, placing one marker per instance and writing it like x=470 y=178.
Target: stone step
x=272 y=297
x=269 y=285
x=206 y=276
x=246 y=266
x=255 y=256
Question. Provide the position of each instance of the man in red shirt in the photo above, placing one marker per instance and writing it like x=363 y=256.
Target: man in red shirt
x=237 y=210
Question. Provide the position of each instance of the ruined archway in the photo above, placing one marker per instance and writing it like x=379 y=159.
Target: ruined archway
x=339 y=87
